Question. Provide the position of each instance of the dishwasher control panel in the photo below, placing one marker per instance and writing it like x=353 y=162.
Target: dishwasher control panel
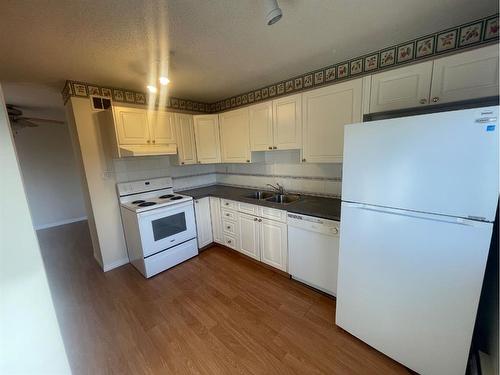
x=314 y=224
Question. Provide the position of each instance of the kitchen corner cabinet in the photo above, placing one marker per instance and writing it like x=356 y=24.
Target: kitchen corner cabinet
x=186 y=145
x=216 y=219
x=401 y=88
x=274 y=244
x=467 y=75
x=235 y=136
x=261 y=126
x=206 y=132
x=249 y=230
x=203 y=221
x=325 y=112
x=287 y=122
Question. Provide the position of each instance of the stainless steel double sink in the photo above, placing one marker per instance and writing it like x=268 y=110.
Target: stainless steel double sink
x=274 y=197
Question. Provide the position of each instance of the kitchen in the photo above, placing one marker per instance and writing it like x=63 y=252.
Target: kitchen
x=261 y=192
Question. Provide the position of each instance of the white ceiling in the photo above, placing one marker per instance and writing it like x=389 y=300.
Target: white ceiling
x=215 y=48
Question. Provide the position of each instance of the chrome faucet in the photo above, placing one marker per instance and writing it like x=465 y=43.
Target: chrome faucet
x=278 y=188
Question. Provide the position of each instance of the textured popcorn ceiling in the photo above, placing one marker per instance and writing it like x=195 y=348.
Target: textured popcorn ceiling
x=212 y=49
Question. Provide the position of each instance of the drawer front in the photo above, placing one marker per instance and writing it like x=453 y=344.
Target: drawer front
x=226 y=203
x=229 y=214
x=231 y=241
x=229 y=227
x=248 y=208
x=273 y=214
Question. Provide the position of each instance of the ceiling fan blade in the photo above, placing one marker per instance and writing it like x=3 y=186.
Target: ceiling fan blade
x=36 y=119
x=24 y=123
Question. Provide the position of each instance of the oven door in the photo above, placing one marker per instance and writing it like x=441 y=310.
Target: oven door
x=164 y=227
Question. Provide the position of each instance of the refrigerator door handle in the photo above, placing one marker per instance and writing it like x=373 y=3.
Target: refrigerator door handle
x=414 y=214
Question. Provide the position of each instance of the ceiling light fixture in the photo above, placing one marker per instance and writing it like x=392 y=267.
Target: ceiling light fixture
x=164 y=81
x=273 y=12
x=152 y=89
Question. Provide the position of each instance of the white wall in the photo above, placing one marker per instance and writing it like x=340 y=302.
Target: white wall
x=50 y=175
x=46 y=156
x=30 y=340
x=284 y=167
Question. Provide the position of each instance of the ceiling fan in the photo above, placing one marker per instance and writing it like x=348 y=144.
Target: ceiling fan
x=18 y=121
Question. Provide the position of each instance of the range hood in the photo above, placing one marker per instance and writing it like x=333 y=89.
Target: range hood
x=147 y=150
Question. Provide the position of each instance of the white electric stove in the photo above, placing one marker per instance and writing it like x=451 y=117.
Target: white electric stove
x=159 y=225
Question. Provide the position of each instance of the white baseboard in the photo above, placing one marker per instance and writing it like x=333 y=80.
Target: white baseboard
x=115 y=264
x=62 y=222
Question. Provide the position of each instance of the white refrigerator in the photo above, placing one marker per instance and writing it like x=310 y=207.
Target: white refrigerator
x=419 y=196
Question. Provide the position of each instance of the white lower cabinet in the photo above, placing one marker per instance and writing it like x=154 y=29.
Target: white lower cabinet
x=203 y=221
x=249 y=230
x=274 y=243
x=216 y=220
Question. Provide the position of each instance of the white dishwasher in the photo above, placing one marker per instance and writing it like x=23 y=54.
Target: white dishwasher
x=313 y=251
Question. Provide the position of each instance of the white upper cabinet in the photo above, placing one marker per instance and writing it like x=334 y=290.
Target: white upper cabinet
x=325 y=112
x=186 y=146
x=235 y=136
x=467 y=75
x=261 y=126
x=162 y=127
x=206 y=131
x=287 y=122
x=401 y=88
x=132 y=126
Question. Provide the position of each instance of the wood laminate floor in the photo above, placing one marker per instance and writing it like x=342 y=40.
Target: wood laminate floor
x=217 y=313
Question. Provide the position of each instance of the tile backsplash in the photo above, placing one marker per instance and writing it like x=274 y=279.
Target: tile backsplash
x=184 y=177
x=284 y=167
x=276 y=166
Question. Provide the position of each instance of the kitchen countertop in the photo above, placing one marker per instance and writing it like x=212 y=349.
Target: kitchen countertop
x=326 y=208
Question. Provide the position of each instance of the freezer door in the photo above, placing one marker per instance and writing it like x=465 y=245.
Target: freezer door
x=444 y=163
x=409 y=284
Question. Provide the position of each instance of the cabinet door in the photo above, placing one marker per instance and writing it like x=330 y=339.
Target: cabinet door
x=287 y=122
x=203 y=221
x=206 y=131
x=235 y=136
x=261 y=126
x=467 y=75
x=401 y=88
x=325 y=112
x=274 y=244
x=162 y=127
x=186 y=146
x=132 y=126
x=216 y=220
x=249 y=235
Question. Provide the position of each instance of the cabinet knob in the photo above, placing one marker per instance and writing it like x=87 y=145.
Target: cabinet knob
x=260 y=220
x=228 y=241
x=435 y=99
x=154 y=140
x=228 y=227
x=304 y=160
x=248 y=161
x=275 y=148
x=255 y=219
x=199 y=162
x=227 y=214
x=148 y=141
x=423 y=101
x=182 y=162
x=270 y=147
